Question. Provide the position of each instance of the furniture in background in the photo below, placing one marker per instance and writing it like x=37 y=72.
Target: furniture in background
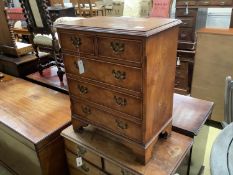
x=228 y=102
x=213 y=62
x=90 y=8
x=58 y=12
x=161 y=8
x=31 y=119
x=55 y=2
x=8 y=44
x=193 y=15
x=43 y=34
x=105 y=61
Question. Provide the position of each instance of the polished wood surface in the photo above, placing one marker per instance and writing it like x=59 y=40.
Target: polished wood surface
x=17 y=112
x=31 y=119
x=49 y=79
x=122 y=25
x=190 y=114
x=118 y=158
x=123 y=89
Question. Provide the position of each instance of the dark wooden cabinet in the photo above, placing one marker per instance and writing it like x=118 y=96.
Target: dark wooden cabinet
x=193 y=17
x=57 y=12
x=125 y=89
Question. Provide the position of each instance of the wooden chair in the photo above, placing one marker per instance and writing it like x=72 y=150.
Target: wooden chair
x=43 y=35
x=90 y=7
x=228 y=102
x=161 y=8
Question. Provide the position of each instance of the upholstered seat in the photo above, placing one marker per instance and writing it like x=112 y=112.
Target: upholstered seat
x=47 y=40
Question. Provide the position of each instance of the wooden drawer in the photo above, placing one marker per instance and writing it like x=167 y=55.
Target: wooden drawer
x=181 y=83
x=181 y=73
x=204 y=2
x=182 y=12
x=69 y=41
x=107 y=121
x=185 y=2
x=222 y=2
x=113 y=169
x=187 y=22
x=74 y=171
x=121 y=49
x=186 y=34
x=114 y=74
x=103 y=96
x=84 y=153
x=86 y=168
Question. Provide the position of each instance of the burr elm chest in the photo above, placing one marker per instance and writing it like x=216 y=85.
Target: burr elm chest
x=121 y=74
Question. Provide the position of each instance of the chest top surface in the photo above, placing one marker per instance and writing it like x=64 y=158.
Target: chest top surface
x=121 y=25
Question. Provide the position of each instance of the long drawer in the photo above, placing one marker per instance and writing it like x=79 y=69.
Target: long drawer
x=186 y=34
x=113 y=169
x=183 y=12
x=114 y=74
x=84 y=153
x=107 y=97
x=121 y=49
x=86 y=167
x=105 y=120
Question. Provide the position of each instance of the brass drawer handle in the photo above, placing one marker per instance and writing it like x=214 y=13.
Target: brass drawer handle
x=76 y=41
x=86 y=110
x=125 y=172
x=120 y=101
x=85 y=168
x=83 y=89
x=119 y=75
x=81 y=151
x=206 y=2
x=117 y=47
x=121 y=124
x=222 y=3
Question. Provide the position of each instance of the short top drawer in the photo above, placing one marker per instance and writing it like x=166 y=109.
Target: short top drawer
x=120 y=49
x=222 y=2
x=187 y=22
x=84 y=153
x=70 y=41
x=185 y=2
x=114 y=74
x=183 y=12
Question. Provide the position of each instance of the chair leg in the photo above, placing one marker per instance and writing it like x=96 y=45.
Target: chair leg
x=60 y=74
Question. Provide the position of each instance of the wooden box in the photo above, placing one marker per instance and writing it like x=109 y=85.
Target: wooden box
x=129 y=72
x=31 y=119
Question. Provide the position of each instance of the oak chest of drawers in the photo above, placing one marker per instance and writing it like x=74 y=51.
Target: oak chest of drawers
x=129 y=72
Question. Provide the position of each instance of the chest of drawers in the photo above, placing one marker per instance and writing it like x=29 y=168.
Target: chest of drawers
x=129 y=72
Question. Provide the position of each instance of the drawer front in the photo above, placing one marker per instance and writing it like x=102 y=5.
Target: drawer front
x=74 y=171
x=181 y=83
x=86 y=168
x=108 y=98
x=105 y=120
x=222 y=2
x=113 y=169
x=84 y=153
x=186 y=34
x=70 y=41
x=114 y=74
x=185 y=2
x=204 y=2
x=182 y=12
x=187 y=22
x=121 y=49
x=182 y=70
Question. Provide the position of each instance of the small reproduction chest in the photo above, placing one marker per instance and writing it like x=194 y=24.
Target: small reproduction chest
x=121 y=74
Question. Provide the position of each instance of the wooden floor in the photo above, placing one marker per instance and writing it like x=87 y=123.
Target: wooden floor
x=49 y=79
